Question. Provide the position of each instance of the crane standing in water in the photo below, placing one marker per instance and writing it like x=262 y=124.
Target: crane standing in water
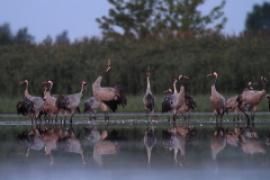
x=69 y=104
x=187 y=103
x=148 y=98
x=231 y=104
x=36 y=104
x=217 y=100
x=50 y=107
x=171 y=101
x=108 y=96
x=248 y=101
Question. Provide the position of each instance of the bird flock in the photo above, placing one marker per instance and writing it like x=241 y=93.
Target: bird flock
x=107 y=99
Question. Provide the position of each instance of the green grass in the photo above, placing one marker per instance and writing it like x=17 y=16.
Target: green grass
x=135 y=104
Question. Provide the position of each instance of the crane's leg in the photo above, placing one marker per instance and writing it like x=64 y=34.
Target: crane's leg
x=248 y=119
x=169 y=119
x=90 y=117
x=221 y=119
x=55 y=119
x=70 y=120
x=174 y=118
x=108 y=118
x=188 y=119
x=253 y=119
x=32 y=120
x=216 y=120
x=35 y=119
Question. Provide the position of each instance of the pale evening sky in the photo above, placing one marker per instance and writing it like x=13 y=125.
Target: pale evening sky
x=50 y=17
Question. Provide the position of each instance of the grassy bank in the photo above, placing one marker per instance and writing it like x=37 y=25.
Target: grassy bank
x=135 y=104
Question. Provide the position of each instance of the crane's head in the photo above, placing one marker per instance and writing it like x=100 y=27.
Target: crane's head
x=181 y=76
x=24 y=82
x=213 y=74
x=168 y=91
x=83 y=83
x=264 y=79
x=109 y=65
x=50 y=82
x=147 y=73
x=250 y=85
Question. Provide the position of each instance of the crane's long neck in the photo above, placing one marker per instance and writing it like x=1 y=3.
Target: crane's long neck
x=148 y=88
x=213 y=85
x=97 y=83
x=182 y=89
x=26 y=92
x=263 y=85
x=47 y=92
x=174 y=87
x=82 y=89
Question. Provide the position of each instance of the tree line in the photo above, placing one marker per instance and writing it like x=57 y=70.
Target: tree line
x=169 y=46
x=237 y=59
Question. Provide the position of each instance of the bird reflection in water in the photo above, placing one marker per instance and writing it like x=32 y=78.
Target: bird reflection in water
x=51 y=139
x=102 y=146
x=245 y=138
x=250 y=143
x=178 y=142
x=149 y=141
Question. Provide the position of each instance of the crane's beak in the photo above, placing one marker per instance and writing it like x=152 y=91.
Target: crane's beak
x=44 y=83
x=186 y=77
x=147 y=74
x=108 y=68
x=209 y=75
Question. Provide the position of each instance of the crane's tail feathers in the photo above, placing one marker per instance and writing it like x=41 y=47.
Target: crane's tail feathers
x=112 y=104
x=191 y=102
x=121 y=97
x=62 y=102
x=25 y=107
x=87 y=107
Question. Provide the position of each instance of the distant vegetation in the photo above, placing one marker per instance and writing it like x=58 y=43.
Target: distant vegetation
x=237 y=59
x=194 y=50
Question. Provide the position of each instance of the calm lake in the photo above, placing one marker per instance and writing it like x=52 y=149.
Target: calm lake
x=119 y=151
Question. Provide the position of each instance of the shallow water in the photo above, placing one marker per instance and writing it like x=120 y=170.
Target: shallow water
x=130 y=159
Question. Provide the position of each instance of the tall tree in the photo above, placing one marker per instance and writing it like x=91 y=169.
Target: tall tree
x=184 y=16
x=48 y=40
x=140 y=18
x=23 y=37
x=62 y=38
x=259 y=19
x=6 y=36
x=132 y=18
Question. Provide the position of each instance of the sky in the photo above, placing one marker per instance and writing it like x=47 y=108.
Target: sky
x=78 y=17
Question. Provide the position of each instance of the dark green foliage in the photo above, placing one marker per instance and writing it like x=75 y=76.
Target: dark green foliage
x=5 y=34
x=62 y=38
x=23 y=37
x=139 y=18
x=259 y=19
x=237 y=59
